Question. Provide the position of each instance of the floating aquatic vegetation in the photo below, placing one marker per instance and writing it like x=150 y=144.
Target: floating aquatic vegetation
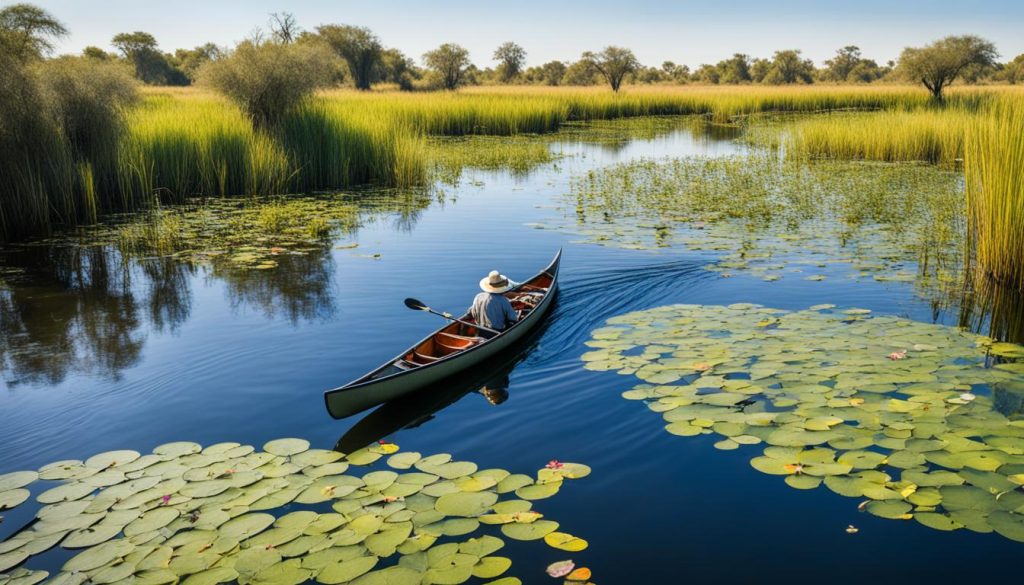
x=779 y=219
x=213 y=515
x=519 y=154
x=918 y=437
x=247 y=234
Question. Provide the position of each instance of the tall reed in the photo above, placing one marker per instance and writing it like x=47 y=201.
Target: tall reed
x=994 y=172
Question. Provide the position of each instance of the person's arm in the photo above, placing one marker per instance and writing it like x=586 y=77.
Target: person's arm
x=511 y=315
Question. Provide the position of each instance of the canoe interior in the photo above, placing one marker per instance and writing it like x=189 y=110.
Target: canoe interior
x=457 y=337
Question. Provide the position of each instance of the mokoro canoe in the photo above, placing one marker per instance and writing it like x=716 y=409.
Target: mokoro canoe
x=446 y=352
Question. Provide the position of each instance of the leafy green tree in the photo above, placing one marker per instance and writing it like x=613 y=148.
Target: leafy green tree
x=97 y=53
x=396 y=68
x=579 y=73
x=1013 y=72
x=677 y=73
x=787 y=67
x=358 y=47
x=707 y=73
x=450 y=62
x=151 y=66
x=838 y=68
x=759 y=69
x=939 y=64
x=613 y=64
x=734 y=70
x=268 y=80
x=552 y=72
x=189 y=61
x=849 y=66
x=29 y=31
x=511 y=58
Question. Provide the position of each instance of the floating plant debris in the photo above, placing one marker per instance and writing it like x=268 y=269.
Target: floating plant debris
x=818 y=392
x=776 y=220
x=212 y=515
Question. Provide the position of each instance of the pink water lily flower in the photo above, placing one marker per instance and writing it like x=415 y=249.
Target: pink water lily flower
x=554 y=464
x=898 y=355
x=165 y=499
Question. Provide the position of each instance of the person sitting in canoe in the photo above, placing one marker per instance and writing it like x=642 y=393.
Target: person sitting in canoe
x=491 y=308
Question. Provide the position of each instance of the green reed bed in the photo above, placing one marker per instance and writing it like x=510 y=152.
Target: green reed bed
x=931 y=135
x=994 y=170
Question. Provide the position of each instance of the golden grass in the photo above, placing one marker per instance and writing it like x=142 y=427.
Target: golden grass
x=994 y=172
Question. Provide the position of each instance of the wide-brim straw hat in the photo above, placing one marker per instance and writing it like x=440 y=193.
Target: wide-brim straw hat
x=495 y=282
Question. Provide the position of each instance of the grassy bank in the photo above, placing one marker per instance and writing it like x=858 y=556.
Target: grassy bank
x=183 y=143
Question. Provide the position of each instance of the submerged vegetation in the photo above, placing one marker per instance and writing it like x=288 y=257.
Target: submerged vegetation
x=902 y=414
x=780 y=219
x=218 y=514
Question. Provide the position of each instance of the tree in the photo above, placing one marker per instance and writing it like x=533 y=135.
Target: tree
x=358 y=47
x=613 y=64
x=735 y=69
x=29 y=31
x=787 y=67
x=397 y=68
x=450 y=63
x=268 y=80
x=511 y=58
x=97 y=53
x=189 y=61
x=1013 y=72
x=552 y=72
x=284 y=27
x=151 y=66
x=707 y=73
x=759 y=69
x=579 y=73
x=939 y=64
x=677 y=73
x=839 y=67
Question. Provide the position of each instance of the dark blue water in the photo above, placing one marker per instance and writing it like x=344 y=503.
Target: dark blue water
x=113 y=358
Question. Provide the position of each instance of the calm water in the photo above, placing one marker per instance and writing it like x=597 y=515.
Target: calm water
x=112 y=357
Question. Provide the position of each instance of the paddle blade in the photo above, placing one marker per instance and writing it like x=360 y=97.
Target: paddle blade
x=416 y=305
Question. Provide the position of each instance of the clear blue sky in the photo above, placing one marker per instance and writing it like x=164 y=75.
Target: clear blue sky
x=689 y=32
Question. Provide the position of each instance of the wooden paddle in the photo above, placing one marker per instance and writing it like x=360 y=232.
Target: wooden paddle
x=419 y=306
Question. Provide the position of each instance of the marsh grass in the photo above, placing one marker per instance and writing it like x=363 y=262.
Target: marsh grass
x=994 y=173
x=179 y=144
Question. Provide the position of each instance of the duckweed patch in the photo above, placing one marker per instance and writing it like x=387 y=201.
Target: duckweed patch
x=779 y=219
x=283 y=515
x=896 y=412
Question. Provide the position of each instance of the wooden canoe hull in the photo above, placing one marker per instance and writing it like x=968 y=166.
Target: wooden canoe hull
x=373 y=388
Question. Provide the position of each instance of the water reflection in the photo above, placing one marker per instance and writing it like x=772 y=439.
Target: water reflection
x=490 y=382
x=80 y=304
x=74 y=309
x=992 y=309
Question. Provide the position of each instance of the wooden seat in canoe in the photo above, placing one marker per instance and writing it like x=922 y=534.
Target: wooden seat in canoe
x=453 y=343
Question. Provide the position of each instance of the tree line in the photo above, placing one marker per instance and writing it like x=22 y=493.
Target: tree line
x=362 y=60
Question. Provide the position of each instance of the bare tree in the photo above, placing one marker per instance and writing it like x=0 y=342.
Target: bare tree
x=939 y=64
x=284 y=27
x=613 y=63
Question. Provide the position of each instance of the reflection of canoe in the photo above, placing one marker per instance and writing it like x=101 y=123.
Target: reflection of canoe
x=416 y=409
x=446 y=352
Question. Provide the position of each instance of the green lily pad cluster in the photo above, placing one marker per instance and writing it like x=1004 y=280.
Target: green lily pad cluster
x=281 y=516
x=898 y=412
x=779 y=219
